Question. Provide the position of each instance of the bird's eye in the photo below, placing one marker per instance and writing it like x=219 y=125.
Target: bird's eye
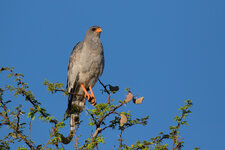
x=93 y=29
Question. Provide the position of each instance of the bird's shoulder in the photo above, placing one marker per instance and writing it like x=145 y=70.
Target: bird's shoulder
x=77 y=48
x=75 y=54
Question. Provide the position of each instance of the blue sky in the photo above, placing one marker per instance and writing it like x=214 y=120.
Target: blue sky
x=166 y=51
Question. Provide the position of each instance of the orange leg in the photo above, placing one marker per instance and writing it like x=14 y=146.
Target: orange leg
x=89 y=96
x=93 y=101
x=86 y=94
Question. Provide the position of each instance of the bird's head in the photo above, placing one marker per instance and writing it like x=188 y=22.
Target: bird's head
x=93 y=32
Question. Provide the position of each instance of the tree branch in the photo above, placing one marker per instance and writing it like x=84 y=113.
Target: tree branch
x=76 y=142
x=107 y=91
x=15 y=128
x=101 y=119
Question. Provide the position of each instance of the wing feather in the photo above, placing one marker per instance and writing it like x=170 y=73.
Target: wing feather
x=103 y=61
x=73 y=72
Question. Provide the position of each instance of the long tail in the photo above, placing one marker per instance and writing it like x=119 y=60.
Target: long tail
x=75 y=107
x=74 y=121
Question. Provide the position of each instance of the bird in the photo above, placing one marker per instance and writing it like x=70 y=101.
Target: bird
x=86 y=64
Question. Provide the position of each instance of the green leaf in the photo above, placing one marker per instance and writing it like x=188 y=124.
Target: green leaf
x=33 y=117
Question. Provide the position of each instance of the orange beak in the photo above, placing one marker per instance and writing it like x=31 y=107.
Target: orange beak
x=98 y=30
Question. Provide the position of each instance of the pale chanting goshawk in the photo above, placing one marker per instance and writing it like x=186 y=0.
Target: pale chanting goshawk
x=85 y=66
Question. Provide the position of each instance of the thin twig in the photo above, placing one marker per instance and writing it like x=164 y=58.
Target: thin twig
x=93 y=118
x=99 y=130
x=107 y=91
x=30 y=129
x=18 y=120
x=47 y=142
x=76 y=142
x=4 y=123
x=18 y=133
x=62 y=146
x=113 y=147
x=175 y=131
x=104 y=86
x=101 y=119
x=121 y=140
x=97 y=146
x=27 y=97
x=71 y=93
x=57 y=146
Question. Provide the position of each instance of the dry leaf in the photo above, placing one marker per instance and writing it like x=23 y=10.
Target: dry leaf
x=129 y=97
x=139 y=100
x=113 y=89
x=123 y=119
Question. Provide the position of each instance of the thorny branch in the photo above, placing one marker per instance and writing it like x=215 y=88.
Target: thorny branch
x=101 y=119
x=175 y=131
x=15 y=125
x=98 y=124
x=27 y=96
x=16 y=128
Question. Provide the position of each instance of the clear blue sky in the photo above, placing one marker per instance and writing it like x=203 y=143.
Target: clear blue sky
x=166 y=51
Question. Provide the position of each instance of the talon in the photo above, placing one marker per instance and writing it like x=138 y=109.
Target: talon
x=87 y=96
x=93 y=102
x=90 y=97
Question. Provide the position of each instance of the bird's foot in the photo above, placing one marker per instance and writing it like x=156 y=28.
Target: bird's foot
x=87 y=95
x=92 y=100
x=90 y=97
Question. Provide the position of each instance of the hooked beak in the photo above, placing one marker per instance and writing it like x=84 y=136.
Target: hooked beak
x=98 y=30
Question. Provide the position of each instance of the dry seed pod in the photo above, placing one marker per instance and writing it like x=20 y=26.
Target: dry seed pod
x=139 y=100
x=123 y=119
x=129 y=97
x=113 y=89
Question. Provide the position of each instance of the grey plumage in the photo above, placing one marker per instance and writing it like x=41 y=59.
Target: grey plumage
x=85 y=66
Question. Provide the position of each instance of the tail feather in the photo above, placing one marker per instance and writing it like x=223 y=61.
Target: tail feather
x=75 y=107
x=74 y=121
